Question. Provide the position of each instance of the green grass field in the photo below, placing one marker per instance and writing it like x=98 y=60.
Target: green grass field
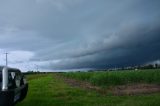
x=47 y=90
x=113 y=78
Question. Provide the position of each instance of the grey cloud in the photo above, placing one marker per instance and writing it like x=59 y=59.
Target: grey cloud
x=134 y=48
x=82 y=34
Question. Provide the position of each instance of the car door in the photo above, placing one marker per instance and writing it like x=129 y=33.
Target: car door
x=0 y=80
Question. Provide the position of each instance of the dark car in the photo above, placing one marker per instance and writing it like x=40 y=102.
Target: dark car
x=13 y=86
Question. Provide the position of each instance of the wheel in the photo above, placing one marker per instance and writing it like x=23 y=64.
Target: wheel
x=24 y=92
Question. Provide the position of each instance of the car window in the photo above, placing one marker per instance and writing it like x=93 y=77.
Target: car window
x=18 y=79
x=14 y=79
x=11 y=83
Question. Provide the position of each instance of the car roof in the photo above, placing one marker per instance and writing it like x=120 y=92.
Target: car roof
x=10 y=69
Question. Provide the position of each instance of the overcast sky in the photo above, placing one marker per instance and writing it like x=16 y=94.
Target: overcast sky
x=79 y=34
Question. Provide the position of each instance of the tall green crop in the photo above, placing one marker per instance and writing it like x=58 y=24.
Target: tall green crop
x=117 y=77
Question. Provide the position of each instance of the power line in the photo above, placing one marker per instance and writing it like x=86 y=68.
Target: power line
x=36 y=67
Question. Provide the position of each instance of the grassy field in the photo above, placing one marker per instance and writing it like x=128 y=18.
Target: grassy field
x=47 y=90
x=113 y=78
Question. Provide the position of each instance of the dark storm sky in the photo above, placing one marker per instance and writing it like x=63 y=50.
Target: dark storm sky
x=79 y=34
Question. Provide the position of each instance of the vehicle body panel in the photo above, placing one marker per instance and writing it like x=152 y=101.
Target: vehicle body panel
x=13 y=88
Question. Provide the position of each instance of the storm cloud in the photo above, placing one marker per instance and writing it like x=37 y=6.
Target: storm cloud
x=79 y=34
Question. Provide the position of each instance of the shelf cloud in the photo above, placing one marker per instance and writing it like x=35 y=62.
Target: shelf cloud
x=79 y=34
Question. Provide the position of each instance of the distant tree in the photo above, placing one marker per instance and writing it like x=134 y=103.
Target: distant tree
x=156 y=65
x=150 y=66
